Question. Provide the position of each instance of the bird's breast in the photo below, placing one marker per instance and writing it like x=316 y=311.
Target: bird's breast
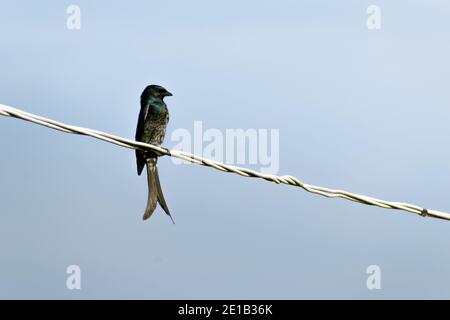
x=155 y=123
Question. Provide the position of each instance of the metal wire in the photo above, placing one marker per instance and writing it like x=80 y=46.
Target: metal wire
x=160 y=151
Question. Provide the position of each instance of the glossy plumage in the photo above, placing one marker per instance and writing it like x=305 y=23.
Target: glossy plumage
x=151 y=128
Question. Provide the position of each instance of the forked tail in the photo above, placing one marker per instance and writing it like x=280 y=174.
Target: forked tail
x=155 y=194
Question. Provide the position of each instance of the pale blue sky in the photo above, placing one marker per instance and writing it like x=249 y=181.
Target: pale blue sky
x=366 y=111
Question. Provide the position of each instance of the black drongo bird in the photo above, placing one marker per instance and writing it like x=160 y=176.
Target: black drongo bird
x=151 y=128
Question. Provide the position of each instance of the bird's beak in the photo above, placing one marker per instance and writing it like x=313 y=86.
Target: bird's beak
x=168 y=94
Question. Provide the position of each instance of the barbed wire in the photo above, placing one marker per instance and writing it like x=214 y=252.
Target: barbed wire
x=160 y=151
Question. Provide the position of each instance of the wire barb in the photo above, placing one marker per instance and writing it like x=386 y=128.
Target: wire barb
x=160 y=151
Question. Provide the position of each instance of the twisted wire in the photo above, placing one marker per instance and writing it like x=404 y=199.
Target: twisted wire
x=160 y=151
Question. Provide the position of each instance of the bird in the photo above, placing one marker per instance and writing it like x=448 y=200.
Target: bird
x=151 y=129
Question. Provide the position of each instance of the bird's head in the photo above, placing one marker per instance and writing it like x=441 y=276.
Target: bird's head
x=156 y=92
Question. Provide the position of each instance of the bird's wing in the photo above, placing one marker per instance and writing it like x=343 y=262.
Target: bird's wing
x=140 y=125
x=140 y=159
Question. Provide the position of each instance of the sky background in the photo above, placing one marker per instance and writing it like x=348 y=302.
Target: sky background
x=363 y=110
